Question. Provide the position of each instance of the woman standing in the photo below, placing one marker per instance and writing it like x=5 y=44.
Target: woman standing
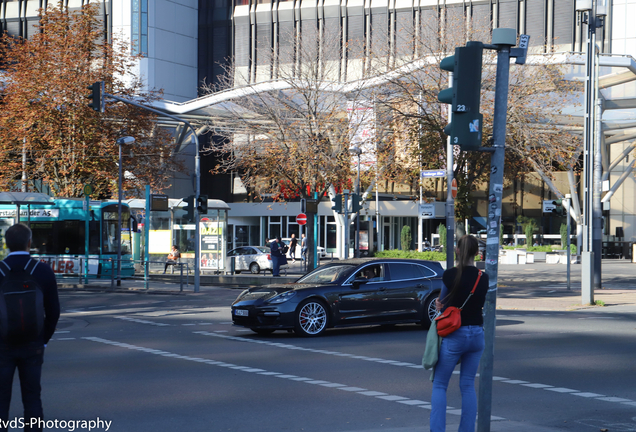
x=466 y=343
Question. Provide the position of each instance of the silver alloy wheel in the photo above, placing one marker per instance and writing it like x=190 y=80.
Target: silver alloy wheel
x=432 y=310
x=254 y=268
x=311 y=318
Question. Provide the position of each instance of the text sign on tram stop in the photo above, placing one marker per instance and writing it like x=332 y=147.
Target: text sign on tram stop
x=301 y=219
x=454 y=188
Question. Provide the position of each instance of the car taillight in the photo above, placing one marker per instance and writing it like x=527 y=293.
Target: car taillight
x=269 y=257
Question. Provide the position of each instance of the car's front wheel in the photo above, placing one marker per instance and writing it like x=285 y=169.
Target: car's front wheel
x=254 y=268
x=429 y=311
x=311 y=318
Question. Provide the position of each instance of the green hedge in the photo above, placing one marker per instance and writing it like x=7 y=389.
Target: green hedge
x=432 y=256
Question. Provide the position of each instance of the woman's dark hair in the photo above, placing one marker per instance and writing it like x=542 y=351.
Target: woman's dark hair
x=17 y=237
x=467 y=248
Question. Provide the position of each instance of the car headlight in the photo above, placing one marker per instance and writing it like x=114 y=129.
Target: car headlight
x=281 y=298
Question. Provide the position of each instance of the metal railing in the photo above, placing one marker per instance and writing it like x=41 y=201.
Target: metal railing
x=65 y=267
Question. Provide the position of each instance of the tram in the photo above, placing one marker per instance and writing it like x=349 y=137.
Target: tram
x=59 y=235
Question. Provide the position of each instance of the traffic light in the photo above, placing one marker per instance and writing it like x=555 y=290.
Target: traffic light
x=355 y=203
x=97 y=91
x=465 y=127
x=202 y=204
x=337 y=204
x=189 y=208
x=558 y=209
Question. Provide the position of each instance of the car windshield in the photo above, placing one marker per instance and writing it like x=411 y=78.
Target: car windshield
x=327 y=274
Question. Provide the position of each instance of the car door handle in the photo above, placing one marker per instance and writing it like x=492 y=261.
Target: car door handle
x=383 y=289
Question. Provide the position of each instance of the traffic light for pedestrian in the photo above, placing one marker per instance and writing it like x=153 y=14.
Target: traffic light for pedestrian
x=337 y=204
x=465 y=127
x=558 y=209
x=189 y=209
x=97 y=92
x=202 y=204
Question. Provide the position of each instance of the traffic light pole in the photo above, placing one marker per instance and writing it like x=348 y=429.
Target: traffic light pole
x=450 y=201
x=503 y=40
x=346 y=224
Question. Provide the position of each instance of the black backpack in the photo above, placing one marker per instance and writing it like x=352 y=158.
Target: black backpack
x=21 y=304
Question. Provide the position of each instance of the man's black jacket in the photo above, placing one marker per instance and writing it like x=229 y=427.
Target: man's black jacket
x=46 y=278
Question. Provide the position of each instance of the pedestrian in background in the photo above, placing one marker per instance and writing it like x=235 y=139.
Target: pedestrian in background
x=277 y=252
x=173 y=256
x=26 y=355
x=466 y=343
x=292 y=247
x=303 y=247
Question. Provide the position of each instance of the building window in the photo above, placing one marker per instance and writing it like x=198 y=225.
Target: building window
x=139 y=27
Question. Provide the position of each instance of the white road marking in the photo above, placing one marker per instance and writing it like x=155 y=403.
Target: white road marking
x=411 y=365
x=295 y=347
x=373 y=359
x=247 y=369
x=125 y=318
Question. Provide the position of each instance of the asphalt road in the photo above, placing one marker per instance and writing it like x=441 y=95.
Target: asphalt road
x=171 y=363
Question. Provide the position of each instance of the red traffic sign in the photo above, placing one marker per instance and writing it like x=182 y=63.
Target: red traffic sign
x=301 y=219
x=454 y=188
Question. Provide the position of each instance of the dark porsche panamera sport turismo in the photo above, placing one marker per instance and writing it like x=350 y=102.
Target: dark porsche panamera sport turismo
x=355 y=292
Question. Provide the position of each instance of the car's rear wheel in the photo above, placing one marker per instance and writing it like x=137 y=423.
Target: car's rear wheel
x=263 y=332
x=255 y=268
x=429 y=310
x=311 y=318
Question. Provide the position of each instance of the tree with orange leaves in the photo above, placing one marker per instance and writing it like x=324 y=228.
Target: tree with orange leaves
x=50 y=135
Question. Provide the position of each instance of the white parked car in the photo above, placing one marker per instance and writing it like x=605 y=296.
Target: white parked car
x=250 y=258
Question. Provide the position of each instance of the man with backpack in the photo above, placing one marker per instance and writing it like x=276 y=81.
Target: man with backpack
x=29 y=310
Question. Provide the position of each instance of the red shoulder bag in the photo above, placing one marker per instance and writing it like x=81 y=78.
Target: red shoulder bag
x=451 y=319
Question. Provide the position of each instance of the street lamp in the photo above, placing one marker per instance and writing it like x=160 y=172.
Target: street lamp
x=357 y=151
x=120 y=141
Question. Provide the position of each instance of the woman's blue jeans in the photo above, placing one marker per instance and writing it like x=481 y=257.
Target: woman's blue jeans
x=467 y=344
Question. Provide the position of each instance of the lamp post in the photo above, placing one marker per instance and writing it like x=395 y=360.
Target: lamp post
x=197 y=173
x=357 y=151
x=120 y=141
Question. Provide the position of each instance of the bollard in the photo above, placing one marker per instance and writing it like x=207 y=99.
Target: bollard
x=112 y=273
x=80 y=270
x=181 y=277
x=232 y=266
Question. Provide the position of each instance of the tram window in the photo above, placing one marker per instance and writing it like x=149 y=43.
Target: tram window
x=43 y=238
x=109 y=234
x=71 y=237
x=57 y=238
x=93 y=241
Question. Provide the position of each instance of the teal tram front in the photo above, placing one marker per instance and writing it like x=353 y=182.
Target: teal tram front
x=59 y=235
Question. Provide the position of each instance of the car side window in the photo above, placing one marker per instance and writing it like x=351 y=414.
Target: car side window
x=372 y=273
x=425 y=271
x=234 y=252
x=404 y=271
